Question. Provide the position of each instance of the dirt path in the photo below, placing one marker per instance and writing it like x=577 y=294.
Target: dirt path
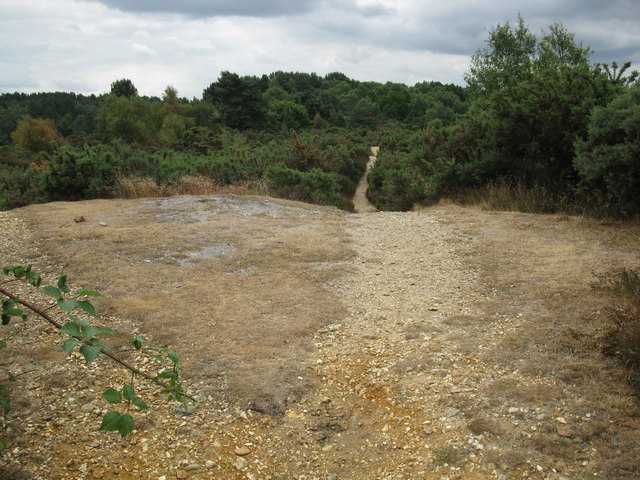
x=360 y=201
x=449 y=343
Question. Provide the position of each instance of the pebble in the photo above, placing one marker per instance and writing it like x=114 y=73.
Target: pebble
x=182 y=474
x=242 y=451
x=565 y=431
x=87 y=408
x=192 y=467
x=240 y=463
x=210 y=464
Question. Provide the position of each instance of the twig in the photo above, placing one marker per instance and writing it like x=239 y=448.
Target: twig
x=113 y=357
x=7 y=379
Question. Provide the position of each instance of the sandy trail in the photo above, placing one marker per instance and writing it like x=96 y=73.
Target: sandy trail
x=360 y=201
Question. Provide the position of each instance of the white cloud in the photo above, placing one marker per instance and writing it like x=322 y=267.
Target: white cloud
x=85 y=45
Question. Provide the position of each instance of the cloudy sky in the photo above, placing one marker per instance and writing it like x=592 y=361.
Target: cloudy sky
x=82 y=45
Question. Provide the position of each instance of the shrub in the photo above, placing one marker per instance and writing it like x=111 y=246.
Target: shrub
x=607 y=160
x=36 y=134
x=19 y=174
x=76 y=174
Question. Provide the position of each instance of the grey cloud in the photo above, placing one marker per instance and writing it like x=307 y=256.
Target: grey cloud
x=243 y=8
x=213 y=8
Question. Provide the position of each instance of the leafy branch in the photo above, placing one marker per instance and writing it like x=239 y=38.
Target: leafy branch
x=88 y=339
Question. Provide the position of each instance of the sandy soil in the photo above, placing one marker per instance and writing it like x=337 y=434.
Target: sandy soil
x=449 y=343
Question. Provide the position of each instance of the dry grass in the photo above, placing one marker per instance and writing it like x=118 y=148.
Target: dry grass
x=235 y=286
x=145 y=187
x=517 y=197
x=549 y=326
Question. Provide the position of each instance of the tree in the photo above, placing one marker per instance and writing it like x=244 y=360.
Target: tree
x=618 y=76
x=608 y=159
x=365 y=114
x=172 y=117
x=239 y=101
x=124 y=88
x=35 y=134
x=531 y=101
x=127 y=118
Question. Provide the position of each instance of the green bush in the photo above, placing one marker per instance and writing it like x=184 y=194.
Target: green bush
x=76 y=174
x=19 y=174
x=608 y=159
x=315 y=186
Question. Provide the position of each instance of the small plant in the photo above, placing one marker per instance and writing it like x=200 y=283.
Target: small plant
x=89 y=340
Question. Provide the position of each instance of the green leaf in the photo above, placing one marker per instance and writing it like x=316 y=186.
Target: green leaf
x=68 y=305
x=88 y=292
x=137 y=342
x=168 y=374
x=173 y=356
x=108 y=421
x=3 y=344
x=102 y=345
x=115 y=422
x=157 y=357
x=90 y=352
x=69 y=344
x=87 y=307
x=111 y=395
x=52 y=291
x=3 y=445
x=6 y=318
x=128 y=392
x=140 y=404
x=62 y=284
x=5 y=402
x=89 y=331
x=107 y=331
x=7 y=305
x=35 y=279
x=71 y=328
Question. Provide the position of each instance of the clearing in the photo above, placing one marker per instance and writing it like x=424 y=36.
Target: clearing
x=448 y=343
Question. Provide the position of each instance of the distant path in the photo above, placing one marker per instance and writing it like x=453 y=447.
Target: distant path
x=360 y=201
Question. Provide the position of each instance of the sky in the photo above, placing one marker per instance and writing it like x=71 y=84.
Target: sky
x=82 y=46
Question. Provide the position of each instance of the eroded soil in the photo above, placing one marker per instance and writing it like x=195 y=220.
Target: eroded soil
x=449 y=343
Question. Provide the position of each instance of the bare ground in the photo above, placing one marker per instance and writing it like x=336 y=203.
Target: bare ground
x=449 y=343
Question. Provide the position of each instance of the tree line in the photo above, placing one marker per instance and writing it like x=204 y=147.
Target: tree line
x=537 y=121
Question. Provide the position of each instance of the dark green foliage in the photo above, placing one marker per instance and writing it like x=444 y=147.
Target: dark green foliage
x=73 y=114
x=125 y=118
x=76 y=174
x=19 y=174
x=239 y=101
x=531 y=99
x=314 y=186
x=608 y=160
x=124 y=88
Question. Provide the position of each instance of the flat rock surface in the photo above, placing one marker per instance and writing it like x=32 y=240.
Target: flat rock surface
x=440 y=344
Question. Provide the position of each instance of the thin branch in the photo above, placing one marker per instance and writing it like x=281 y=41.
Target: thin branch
x=2 y=380
x=31 y=307
x=113 y=357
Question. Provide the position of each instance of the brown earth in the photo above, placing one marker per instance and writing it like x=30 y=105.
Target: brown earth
x=449 y=343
